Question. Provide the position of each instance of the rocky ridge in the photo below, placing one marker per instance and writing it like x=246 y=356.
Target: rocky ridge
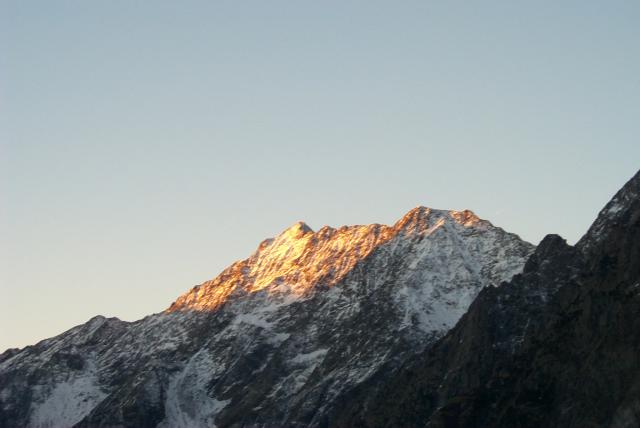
x=557 y=346
x=277 y=339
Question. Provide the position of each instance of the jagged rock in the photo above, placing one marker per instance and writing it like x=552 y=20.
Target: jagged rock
x=558 y=346
x=277 y=339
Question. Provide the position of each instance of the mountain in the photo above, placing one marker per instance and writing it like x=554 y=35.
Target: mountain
x=281 y=338
x=557 y=346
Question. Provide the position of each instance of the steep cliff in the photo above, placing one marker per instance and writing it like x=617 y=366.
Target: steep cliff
x=557 y=346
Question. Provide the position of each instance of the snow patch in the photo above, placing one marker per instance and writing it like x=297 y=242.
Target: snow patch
x=188 y=405
x=309 y=357
x=68 y=402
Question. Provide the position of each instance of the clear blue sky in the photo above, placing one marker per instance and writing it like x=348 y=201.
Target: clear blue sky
x=147 y=145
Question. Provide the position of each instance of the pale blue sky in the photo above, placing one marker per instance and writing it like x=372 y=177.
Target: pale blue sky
x=147 y=145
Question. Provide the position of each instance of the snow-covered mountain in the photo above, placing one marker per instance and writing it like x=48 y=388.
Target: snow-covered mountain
x=276 y=339
x=557 y=346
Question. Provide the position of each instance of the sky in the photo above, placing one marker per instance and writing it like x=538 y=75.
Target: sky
x=145 y=146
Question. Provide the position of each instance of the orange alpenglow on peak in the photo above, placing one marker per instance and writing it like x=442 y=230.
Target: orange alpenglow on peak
x=420 y=217
x=298 y=229
x=299 y=259
x=466 y=217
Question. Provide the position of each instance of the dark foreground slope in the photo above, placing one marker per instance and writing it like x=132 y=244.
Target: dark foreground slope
x=558 y=346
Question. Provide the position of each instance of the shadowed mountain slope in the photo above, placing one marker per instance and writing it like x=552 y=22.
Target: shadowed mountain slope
x=276 y=339
x=557 y=346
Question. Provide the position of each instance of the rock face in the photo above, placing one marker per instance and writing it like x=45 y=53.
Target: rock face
x=557 y=346
x=281 y=338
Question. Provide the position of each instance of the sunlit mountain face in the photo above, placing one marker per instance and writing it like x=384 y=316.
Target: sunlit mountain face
x=440 y=320
x=280 y=338
x=300 y=260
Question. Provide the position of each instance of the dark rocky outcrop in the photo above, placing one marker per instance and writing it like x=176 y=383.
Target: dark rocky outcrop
x=558 y=346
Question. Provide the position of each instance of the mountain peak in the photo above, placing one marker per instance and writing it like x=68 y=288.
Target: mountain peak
x=422 y=218
x=345 y=302
x=417 y=217
x=621 y=211
x=465 y=217
x=419 y=211
x=299 y=260
x=298 y=229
